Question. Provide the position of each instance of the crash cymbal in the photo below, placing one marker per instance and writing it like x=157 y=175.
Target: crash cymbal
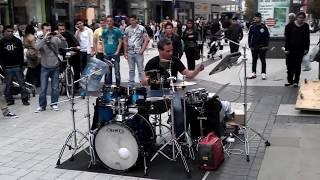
x=184 y=83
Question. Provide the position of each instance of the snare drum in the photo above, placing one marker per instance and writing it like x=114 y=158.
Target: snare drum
x=120 y=145
x=158 y=105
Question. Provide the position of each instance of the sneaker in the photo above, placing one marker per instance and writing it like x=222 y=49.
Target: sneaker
x=288 y=85
x=39 y=109
x=26 y=103
x=264 y=76
x=253 y=76
x=82 y=94
x=9 y=103
x=295 y=85
x=10 y=115
x=55 y=107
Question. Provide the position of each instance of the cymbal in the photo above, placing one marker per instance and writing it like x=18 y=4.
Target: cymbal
x=152 y=71
x=184 y=83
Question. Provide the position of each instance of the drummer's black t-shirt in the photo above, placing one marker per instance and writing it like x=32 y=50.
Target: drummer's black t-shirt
x=154 y=64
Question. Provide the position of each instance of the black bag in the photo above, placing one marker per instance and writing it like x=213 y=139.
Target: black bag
x=212 y=119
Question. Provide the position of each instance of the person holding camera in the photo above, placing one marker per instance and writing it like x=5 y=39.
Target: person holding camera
x=49 y=49
x=12 y=59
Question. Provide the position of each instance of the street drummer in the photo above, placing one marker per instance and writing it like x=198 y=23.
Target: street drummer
x=165 y=66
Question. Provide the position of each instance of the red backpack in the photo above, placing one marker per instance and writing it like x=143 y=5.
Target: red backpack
x=210 y=152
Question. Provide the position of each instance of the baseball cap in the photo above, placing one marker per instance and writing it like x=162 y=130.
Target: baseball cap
x=257 y=15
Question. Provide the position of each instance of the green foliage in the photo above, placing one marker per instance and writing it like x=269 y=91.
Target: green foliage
x=250 y=10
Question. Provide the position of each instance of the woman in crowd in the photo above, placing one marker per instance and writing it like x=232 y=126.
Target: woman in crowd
x=33 y=60
x=190 y=38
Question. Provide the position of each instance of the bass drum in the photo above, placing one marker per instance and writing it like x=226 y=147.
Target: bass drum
x=120 y=145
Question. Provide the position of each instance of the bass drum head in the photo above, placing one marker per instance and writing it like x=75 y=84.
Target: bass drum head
x=116 y=146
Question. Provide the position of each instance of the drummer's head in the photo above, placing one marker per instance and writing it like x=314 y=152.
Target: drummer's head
x=165 y=48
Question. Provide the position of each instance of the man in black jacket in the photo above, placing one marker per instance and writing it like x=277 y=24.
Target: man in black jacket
x=297 y=42
x=12 y=59
x=258 y=42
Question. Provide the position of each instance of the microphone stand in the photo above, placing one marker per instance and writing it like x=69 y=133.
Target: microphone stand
x=246 y=128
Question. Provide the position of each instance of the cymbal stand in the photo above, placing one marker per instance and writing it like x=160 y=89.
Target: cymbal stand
x=173 y=141
x=73 y=134
x=90 y=132
x=246 y=128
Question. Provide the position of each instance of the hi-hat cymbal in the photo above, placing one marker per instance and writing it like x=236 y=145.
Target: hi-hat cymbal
x=184 y=83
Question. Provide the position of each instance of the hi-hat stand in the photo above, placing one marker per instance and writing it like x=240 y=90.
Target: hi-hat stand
x=186 y=135
x=246 y=128
x=176 y=147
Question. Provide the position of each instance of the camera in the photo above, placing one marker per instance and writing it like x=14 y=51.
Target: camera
x=52 y=33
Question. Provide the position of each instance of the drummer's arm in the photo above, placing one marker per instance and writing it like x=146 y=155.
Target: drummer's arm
x=190 y=74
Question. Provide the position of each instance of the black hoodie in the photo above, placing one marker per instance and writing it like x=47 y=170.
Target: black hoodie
x=11 y=52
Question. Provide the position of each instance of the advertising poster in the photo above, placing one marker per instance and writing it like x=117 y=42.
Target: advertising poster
x=274 y=15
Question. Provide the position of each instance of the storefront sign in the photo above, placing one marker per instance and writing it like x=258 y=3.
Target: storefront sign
x=274 y=15
x=201 y=8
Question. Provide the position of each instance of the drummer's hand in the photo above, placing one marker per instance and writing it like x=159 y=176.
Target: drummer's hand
x=116 y=53
x=199 y=67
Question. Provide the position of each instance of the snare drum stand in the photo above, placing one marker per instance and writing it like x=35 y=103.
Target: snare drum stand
x=173 y=140
x=76 y=146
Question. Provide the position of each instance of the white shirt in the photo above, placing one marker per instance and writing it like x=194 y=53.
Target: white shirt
x=85 y=39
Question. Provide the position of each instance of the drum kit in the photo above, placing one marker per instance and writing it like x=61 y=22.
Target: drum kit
x=121 y=138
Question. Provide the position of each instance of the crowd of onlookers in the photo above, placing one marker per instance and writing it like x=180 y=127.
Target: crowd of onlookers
x=38 y=47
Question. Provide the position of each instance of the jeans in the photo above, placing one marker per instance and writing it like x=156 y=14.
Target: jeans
x=255 y=56
x=3 y=104
x=116 y=63
x=177 y=109
x=10 y=73
x=135 y=58
x=84 y=57
x=47 y=73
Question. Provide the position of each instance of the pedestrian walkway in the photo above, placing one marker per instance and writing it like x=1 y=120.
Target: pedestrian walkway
x=29 y=145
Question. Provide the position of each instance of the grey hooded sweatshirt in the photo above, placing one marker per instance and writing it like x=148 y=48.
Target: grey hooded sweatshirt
x=48 y=57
